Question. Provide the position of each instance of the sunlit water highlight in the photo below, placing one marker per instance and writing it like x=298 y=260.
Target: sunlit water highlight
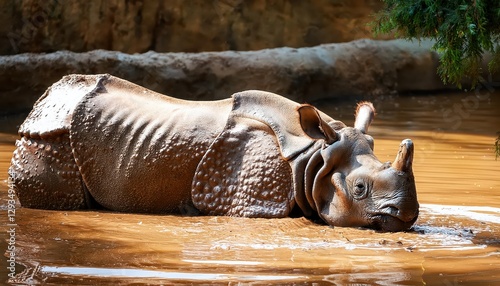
x=141 y=273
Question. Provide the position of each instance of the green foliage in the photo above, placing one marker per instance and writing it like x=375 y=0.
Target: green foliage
x=463 y=31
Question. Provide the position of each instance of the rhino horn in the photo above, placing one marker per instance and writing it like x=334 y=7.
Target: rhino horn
x=404 y=158
x=364 y=116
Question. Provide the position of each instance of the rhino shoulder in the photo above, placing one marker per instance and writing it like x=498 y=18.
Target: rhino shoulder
x=282 y=115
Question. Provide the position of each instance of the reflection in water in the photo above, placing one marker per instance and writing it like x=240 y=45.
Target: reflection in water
x=173 y=276
x=456 y=240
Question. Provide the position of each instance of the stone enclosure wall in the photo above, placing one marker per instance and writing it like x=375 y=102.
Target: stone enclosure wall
x=360 y=68
x=137 y=26
x=305 y=50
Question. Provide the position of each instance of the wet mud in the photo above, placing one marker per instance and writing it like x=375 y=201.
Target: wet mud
x=456 y=240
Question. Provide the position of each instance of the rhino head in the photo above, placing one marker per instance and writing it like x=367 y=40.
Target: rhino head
x=346 y=185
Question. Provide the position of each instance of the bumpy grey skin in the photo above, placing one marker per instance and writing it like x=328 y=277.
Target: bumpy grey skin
x=99 y=140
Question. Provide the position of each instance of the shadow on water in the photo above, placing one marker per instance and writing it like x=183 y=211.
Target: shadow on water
x=454 y=242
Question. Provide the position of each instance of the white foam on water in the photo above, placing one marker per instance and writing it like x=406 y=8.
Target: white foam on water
x=478 y=213
x=454 y=236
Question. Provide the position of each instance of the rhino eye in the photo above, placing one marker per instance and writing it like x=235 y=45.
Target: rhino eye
x=360 y=190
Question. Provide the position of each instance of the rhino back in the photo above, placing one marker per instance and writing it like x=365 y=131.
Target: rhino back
x=138 y=150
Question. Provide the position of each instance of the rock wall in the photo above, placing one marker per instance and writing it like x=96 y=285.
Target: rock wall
x=359 y=68
x=137 y=26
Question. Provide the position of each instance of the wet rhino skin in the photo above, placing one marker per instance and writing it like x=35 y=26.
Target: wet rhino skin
x=97 y=140
x=104 y=134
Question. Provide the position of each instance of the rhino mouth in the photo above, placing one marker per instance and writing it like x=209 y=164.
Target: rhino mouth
x=387 y=222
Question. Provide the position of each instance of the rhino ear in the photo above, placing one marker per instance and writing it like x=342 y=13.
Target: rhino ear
x=243 y=174
x=364 y=116
x=314 y=126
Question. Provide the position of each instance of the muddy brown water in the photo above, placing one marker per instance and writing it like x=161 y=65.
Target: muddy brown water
x=456 y=240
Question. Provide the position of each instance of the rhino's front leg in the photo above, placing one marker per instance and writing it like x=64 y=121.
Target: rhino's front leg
x=44 y=174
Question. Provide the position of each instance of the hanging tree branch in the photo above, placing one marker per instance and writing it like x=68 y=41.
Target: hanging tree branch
x=463 y=30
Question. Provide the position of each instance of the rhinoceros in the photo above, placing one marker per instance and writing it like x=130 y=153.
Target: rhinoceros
x=97 y=141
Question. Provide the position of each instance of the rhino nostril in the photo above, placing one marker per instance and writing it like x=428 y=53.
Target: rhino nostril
x=403 y=215
x=393 y=210
x=405 y=210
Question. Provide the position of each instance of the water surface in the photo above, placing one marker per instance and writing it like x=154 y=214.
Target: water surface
x=456 y=240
